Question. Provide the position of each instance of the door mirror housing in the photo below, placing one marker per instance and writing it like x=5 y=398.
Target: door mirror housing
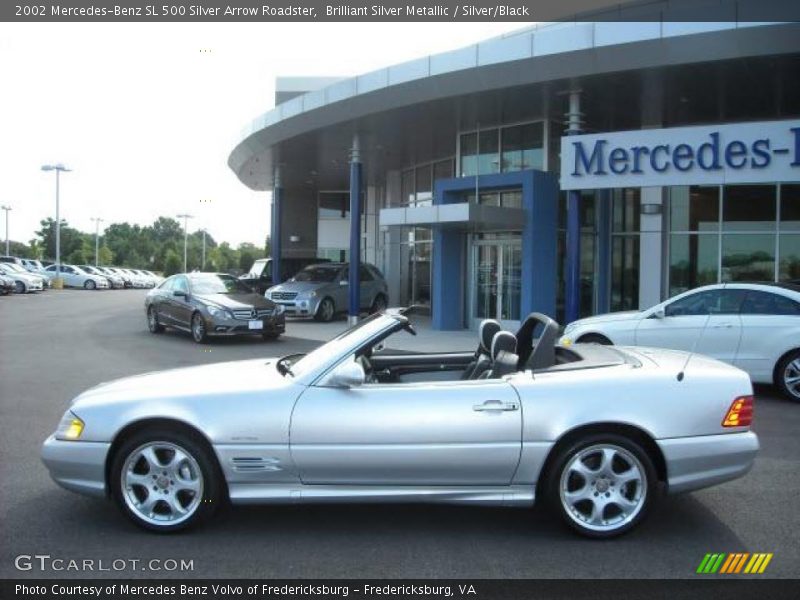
x=344 y=282
x=348 y=374
x=180 y=293
x=659 y=313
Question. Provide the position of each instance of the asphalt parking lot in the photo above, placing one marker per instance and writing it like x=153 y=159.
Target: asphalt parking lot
x=56 y=344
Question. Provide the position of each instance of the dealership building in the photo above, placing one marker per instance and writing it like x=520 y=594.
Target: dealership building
x=569 y=168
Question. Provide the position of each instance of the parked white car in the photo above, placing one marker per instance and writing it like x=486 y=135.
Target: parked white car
x=74 y=276
x=753 y=326
x=24 y=282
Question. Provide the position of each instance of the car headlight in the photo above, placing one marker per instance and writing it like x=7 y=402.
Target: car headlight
x=215 y=311
x=278 y=310
x=70 y=427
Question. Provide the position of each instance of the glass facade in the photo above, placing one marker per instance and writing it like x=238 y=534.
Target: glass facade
x=733 y=233
x=502 y=150
x=625 y=247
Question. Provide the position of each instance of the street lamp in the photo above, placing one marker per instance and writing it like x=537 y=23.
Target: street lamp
x=7 y=209
x=185 y=218
x=203 y=262
x=58 y=169
x=97 y=221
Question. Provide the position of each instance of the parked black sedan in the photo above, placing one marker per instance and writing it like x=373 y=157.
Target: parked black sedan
x=212 y=304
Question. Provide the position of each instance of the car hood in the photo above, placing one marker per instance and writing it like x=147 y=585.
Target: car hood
x=300 y=286
x=237 y=301
x=195 y=383
x=29 y=277
x=627 y=315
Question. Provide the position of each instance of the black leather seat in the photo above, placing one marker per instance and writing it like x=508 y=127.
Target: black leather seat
x=504 y=358
x=486 y=332
x=536 y=342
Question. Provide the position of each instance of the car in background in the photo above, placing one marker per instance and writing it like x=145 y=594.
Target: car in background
x=127 y=280
x=151 y=278
x=259 y=277
x=321 y=291
x=753 y=326
x=24 y=282
x=33 y=265
x=115 y=282
x=138 y=281
x=12 y=260
x=212 y=304
x=74 y=276
x=21 y=269
x=7 y=285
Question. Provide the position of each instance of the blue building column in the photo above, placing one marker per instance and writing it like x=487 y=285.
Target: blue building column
x=275 y=233
x=539 y=244
x=354 y=283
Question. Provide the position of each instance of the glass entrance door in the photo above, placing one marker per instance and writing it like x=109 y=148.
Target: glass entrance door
x=496 y=280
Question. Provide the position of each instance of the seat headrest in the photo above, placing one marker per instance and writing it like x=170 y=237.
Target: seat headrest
x=486 y=331
x=503 y=341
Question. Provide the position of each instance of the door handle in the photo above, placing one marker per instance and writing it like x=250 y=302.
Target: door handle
x=495 y=405
x=722 y=326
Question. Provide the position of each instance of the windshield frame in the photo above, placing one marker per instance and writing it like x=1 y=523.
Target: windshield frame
x=325 y=357
x=240 y=288
x=321 y=267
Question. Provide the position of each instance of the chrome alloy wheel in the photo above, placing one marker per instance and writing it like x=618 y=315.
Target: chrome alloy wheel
x=162 y=483
x=791 y=378
x=198 y=328
x=603 y=487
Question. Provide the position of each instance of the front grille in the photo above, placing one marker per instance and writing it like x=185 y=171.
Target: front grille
x=251 y=314
x=284 y=295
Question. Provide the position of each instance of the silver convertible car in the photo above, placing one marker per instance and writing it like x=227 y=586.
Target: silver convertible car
x=597 y=432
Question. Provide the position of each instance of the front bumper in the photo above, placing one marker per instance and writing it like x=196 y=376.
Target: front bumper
x=77 y=466
x=702 y=461
x=271 y=325
x=299 y=307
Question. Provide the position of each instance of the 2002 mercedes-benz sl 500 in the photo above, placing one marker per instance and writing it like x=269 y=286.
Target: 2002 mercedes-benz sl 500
x=596 y=431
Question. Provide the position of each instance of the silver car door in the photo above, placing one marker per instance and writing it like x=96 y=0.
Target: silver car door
x=434 y=433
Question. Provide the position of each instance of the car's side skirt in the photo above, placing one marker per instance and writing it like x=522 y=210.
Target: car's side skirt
x=513 y=495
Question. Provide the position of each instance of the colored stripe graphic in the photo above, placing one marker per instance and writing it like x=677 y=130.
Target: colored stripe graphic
x=734 y=563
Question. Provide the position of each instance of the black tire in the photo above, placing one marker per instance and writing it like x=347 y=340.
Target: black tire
x=642 y=493
x=788 y=367
x=19 y=287
x=89 y=285
x=202 y=508
x=152 y=321
x=198 y=327
x=379 y=304
x=326 y=310
x=594 y=338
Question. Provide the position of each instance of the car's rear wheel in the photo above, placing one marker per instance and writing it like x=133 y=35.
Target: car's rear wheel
x=787 y=375
x=326 y=311
x=165 y=481
x=602 y=485
x=19 y=287
x=152 y=321
x=379 y=304
x=199 y=328
x=594 y=338
x=89 y=284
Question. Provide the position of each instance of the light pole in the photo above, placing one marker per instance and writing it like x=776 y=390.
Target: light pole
x=58 y=169
x=97 y=221
x=7 y=209
x=185 y=218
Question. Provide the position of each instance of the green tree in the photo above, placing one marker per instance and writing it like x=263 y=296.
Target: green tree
x=105 y=256
x=248 y=253
x=172 y=264
x=19 y=249
x=71 y=238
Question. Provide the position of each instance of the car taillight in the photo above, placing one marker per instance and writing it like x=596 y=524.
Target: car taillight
x=740 y=414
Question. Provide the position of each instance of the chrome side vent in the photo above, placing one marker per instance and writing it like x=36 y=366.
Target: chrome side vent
x=245 y=464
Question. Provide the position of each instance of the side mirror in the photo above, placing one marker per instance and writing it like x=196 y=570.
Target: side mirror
x=344 y=282
x=180 y=293
x=346 y=375
x=659 y=314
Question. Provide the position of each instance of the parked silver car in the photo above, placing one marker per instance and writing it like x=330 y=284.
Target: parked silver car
x=321 y=290
x=76 y=277
x=23 y=280
x=114 y=281
x=596 y=431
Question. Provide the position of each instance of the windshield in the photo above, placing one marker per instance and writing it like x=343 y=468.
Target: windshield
x=14 y=267
x=218 y=284
x=317 y=274
x=257 y=268
x=347 y=341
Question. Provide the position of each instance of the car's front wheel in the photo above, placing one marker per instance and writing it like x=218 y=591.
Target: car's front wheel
x=199 y=328
x=594 y=338
x=326 y=311
x=602 y=485
x=165 y=481
x=89 y=284
x=152 y=321
x=19 y=287
x=787 y=375
x=379 y=304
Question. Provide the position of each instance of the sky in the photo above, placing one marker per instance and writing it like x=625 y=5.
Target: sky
x=147 y=121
